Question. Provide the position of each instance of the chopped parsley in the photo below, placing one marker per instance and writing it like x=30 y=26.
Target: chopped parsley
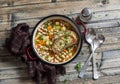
x=78 y=66
x=41 y=37
x=60 y=43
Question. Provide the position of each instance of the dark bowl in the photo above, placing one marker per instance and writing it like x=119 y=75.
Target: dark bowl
x=75 y=28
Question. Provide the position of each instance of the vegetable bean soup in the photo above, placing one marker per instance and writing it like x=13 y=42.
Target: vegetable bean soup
x=56 y=41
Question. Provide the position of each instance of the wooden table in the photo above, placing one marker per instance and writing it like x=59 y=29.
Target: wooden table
x=105 y=20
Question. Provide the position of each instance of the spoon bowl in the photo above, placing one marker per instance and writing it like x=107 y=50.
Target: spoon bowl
x=90 y=35
x=98 y=41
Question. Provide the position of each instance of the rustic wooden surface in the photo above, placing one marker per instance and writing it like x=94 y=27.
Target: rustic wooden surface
x=105 y=20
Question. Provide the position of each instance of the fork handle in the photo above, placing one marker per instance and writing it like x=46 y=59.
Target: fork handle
x=82 y=72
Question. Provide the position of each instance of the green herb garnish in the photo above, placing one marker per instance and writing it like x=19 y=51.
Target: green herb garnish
x=40 y=37
x=65 y=81
x=78 y=66
x=60 y=43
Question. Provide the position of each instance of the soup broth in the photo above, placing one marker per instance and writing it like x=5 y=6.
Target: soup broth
x=56 y=41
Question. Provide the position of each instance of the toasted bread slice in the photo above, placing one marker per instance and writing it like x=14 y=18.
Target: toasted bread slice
x=64 y=41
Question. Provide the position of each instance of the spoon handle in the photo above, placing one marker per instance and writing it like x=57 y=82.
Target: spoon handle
x=95 y=73
x=82 y=72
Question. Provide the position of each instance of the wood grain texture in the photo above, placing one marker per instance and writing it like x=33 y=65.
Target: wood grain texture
x=103 y=80
x=8 y=74
x=46 y=6
x=27 y=2
x=25 y=16
x=5 y=21
x=21 y=2
x=69 y=6
x=105 y=20
x=17 y=81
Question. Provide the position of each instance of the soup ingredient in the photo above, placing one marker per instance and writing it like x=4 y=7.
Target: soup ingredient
x=41 y=42
x=49 y=28
x=63 y=42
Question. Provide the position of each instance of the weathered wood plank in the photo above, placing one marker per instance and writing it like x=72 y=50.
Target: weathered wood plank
x=69 y=76
x=111 y=59
x=108 y=47
x=70 y=70
x=114 y=63
x=97 y=16
x=111 y=23
x=2 y=42
x=4 y=25
x=5 y=21
x=4 y=52
x=22 y=72
x=70 y=67
x=21 y=2
x=68 y=6
x=17 y=81
x=111 y=71
x=89 y=75
x=43 y=7
x=45 y=13
x=9 y=58
x=4 y=34
x=95 y=23
x=68 y=0
x=105 y=15
x=102 y=80
x=3 y=3
x=109 y=31
x=4 y=18
x=26 y=2
x=111 y=54
x=30 y=22
x=12 y=65
x=7 y=74
x=114 y=2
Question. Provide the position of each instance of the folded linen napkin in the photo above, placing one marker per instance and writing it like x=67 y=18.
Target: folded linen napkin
x=17 y=43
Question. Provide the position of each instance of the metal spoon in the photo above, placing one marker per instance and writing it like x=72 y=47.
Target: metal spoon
x=90 y=36
x=96 y=43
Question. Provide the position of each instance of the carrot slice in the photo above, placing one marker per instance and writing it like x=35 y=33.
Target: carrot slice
x=49 y=28
x=51 y=36
x=65 y=50
x=42 y=42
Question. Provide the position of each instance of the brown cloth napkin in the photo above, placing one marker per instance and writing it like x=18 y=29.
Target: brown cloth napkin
x=17 y=43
